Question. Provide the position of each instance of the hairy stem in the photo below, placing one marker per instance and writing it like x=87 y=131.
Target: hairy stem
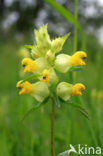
x=52 y=128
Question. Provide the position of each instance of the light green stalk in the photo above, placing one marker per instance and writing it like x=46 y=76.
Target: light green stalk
x=75 y=35
x=52 y=128
x=75 y=28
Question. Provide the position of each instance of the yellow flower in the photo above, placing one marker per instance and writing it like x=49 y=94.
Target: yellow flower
x=45 y=76
x=64 y=62
x=49 y=76
x=38 y=90
x=37 y=65
x=25 y=88
x=29 y=65
x=65 y=90
x=78 y=89
x=78 y=58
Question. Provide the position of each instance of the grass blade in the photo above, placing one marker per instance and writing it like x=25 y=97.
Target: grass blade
x=68 y=16
x=64 y=12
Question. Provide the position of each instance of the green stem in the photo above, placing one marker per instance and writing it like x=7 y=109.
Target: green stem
x=52 y=128
x=75 y=28
x=75 y=36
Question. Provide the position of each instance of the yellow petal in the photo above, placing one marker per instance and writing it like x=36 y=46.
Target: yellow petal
x=78 y=89
x=28 y=65
x=45 y=76
x=78 y=58
x=25 y=87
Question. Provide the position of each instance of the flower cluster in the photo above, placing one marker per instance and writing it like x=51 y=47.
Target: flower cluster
x=44 y=63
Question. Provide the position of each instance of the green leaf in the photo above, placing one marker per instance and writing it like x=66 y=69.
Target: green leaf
x=67 y=15
x=33 y=109
x=64 y=12
x=31 y=77
x=81 y=109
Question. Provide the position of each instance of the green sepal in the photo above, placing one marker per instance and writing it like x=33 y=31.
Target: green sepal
x=79 y=68
x=57 y=44
x=57 y=102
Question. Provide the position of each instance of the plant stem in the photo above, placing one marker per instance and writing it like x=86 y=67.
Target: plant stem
x=75 y=28
x=52 y=128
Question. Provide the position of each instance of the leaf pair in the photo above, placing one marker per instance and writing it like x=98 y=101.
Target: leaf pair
x=81 y=109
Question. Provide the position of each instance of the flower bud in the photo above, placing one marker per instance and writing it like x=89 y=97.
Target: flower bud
x=35 y=52
x=50 y=56
x=23 y=52
x=42 y=38
x=57 y=44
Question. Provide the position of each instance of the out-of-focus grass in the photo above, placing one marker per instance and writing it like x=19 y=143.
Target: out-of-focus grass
x=32 y=136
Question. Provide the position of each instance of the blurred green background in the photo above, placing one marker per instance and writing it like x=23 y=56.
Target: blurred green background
x=32 y=136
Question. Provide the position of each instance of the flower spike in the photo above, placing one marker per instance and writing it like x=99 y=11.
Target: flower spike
x=44 y=65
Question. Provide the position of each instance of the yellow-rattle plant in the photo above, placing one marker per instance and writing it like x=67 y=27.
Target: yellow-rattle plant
x=44 y=64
